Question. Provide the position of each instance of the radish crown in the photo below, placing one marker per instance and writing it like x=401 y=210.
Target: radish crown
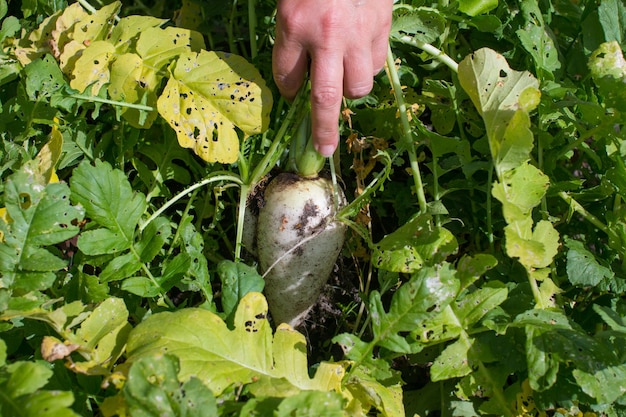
x=304 y=160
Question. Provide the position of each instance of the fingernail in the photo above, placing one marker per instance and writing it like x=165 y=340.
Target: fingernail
x=325 y=150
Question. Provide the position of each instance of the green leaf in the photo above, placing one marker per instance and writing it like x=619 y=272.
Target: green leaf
x=538 y=41
x=476 y=7
x=425 y=295
x=503 y=97
x=110 y=202
x=237 y=279
x=220 y=357
x=102 y=336
x=520 y=190
x=612 y=16
x=312 y=403
x=582 y=267
x=415 y=244
x=608 y=69
x=207 y=96
x=43 y=78
x=40 y=216
x=21 y=394
x=533 y=248
x=26 y=378
x=371 y=393
x=425 y=24
x=453 y=362
x=611 y=318
x=153 y=390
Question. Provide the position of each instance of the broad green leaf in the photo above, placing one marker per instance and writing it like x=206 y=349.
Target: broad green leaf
x=153 y=238
x=21 y=394
x=371 y=393
x=582 y=267
x=312 y=403
x=110 y=202
x=538 y=41
x=120 y=267
x=207 y=96
x=470 y=268
x=25 y=378
x=43 y=78
x=471 y=308
x=520 y=190
x=533 y=248
x=40 y=215
x=102 y=337
x=608 y=69
x=220 y=357
x=237 y=279
x=415 y=244
x=612 y=16
x=454 y=361
x=425 y=295
x=153 y=390
x=503 y=97
x=605 y=384
x=476 y=7
x=425 y=24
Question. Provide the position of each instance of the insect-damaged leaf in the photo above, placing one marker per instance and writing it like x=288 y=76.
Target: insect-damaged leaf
x=210 y=351
x=207 y=96
x=503 y=97
x=38 y=215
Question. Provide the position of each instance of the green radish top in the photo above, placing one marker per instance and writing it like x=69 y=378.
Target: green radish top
x=304 y=160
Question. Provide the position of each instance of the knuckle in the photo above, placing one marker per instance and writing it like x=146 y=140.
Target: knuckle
x=326 y=96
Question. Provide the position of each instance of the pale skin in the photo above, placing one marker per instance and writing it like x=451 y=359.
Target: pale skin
x=342 y=44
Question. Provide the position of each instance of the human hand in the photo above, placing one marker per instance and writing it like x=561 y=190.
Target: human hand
x=346 y=42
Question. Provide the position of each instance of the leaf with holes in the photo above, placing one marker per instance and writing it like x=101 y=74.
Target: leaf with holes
x=39 y=216
x=220 y=357
x=207 y=96
x=503 y=97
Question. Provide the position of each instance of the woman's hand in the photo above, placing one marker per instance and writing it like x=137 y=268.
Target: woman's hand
x=342 y=42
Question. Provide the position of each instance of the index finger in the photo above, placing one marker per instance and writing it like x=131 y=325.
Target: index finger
x=326 y=96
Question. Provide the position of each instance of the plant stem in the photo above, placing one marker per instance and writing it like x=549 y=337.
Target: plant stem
x=213 y=177
x=112 y=102
x=578 y=208
x=241 y=214
x=432 y=50
x=252 y=27
x=406 y=131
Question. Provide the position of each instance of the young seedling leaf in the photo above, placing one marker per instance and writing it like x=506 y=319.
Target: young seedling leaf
x=110 y=202
x=207 y=96
x=220 y=357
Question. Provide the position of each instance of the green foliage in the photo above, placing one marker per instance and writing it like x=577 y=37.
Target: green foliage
x=485 y=274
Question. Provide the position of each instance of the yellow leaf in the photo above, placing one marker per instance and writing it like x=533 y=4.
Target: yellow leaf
x=207 y=96
x=92 y=68
x=134 y=82
x=49 y=155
